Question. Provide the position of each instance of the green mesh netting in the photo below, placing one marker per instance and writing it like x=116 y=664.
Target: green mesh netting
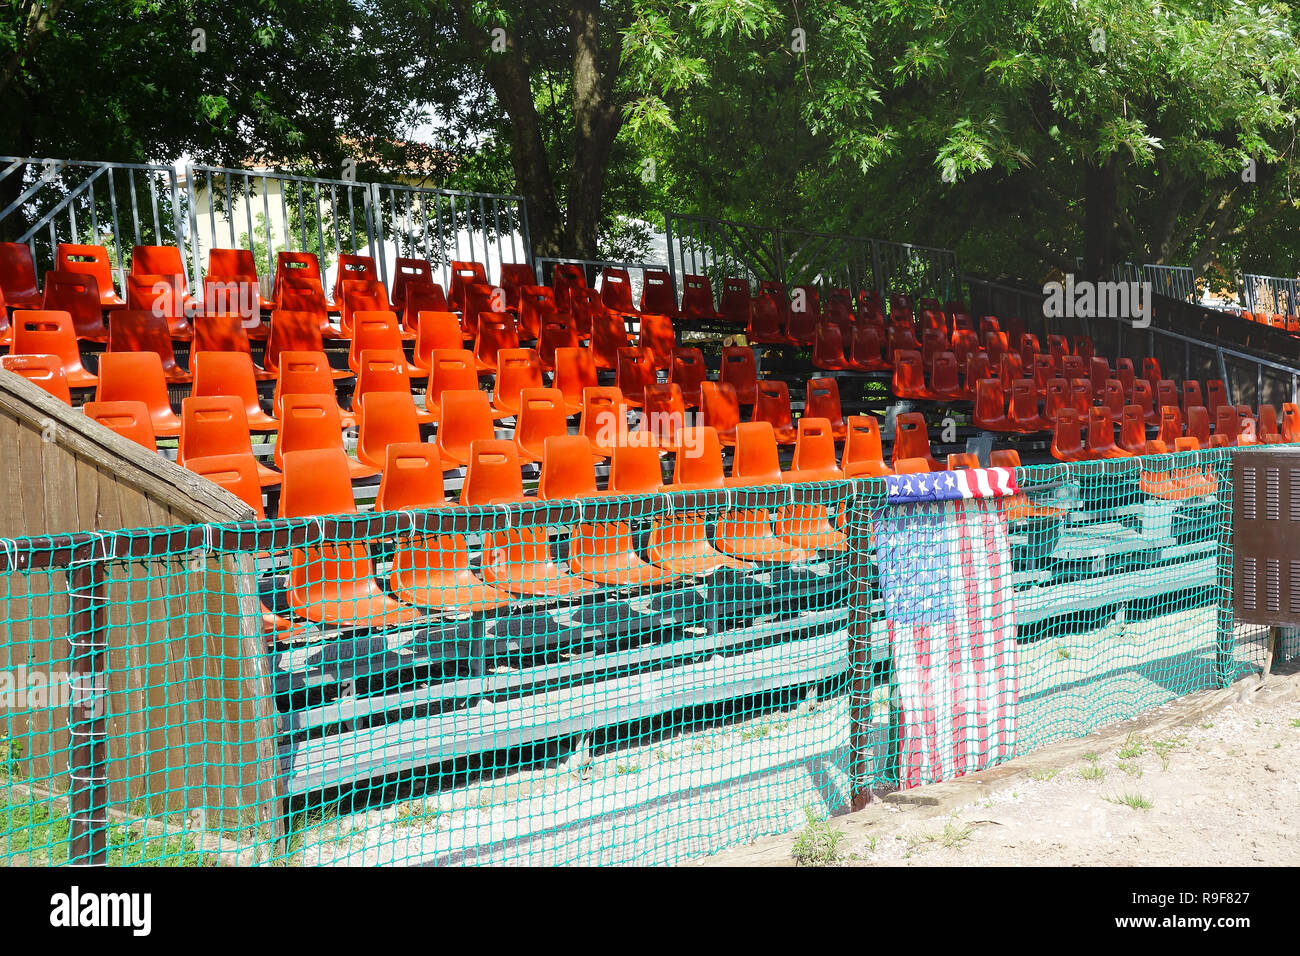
x=614 y=680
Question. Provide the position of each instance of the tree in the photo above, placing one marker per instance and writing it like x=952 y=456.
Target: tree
x=233 y=82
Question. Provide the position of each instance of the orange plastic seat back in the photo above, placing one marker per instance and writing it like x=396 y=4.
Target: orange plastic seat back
x=567 y=468
x=45 y=371
x=814 y=451
x=757 y=460
x=383 y=419
x=863 y=454
x=129 y=419
x=412 y=477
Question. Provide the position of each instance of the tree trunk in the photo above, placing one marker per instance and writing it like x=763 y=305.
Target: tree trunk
x=597 y=120
x=1099 y=220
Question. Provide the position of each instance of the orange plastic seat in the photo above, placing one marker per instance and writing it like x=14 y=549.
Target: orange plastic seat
x=293 y=331
x=965 y=459
x=991 y=406
x=688 y=371
x=375 y=331
x=478 y=298
x=1132 y=430
x=736 y=304
x=604 y=419
x=138 y=376
x=657 y=295
x=225 y=264
x=388 y=371
x=773 y=407
x=332 y=583
x=1057 y=397
x=306 y=373
x=664 y=415
x=464 y=273
x=408 y=272
x=608 y=335
x=738 y=370
x=1269 y=432
x=865 y=349
x=606 y=552
x=162 y=295
x=658 y=338
x=311 y=423
x=616 y=290
x=697 y=299
x=18 y=276
x=45 y=371
x=519 y=561
x=862 y=456
x=364 y=296
x=1171 y=426
x=302 y=267
x=464 y=417
x=129 y=419
x=434 y=330
x=720 y=410
x=814 y=452
x=575 y=370
x=1004 y=458
x=542 y=415
x=225 y=332
x=1216 y=394
x=419 y=295
x=1067 y=438
x=559 y=331
x=496 y=332
x=697 y=460
x=912 y=440
x=822 y=400
x=943 y=377
x=136 y=331
x=38 y=332
x=909 y=375
x=1144 y=400
x=1101 y=435
x=1112 y=396
x=237 y=474
x=232 y=373
x=517 y=369
x=214 y=425
x=1024 y=408
x=383 y=419
x=808 y=526
x=635 y=370
x=747 y=534
x=1227 y=427
x=430 y=570
x=353 y=268
x=93 y=262
x=1081 y=396
x=1191 y=394
x=535 y=303
x=768 y=316
x=78 y=296
x=449 y=370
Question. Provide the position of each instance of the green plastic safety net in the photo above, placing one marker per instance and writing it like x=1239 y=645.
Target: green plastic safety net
x=593 y=678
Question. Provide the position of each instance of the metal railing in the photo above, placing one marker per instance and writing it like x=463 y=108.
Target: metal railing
x=1270 y=294
x=115 y=205
x=199 y=208
x=1118 y=338
x=719 y=248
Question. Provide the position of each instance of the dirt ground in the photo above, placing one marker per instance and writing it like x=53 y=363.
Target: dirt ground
x=1223 y=789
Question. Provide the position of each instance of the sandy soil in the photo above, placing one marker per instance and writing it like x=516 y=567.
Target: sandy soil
x=1224 y=791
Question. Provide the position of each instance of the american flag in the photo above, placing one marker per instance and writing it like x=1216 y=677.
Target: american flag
x=945 y=575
